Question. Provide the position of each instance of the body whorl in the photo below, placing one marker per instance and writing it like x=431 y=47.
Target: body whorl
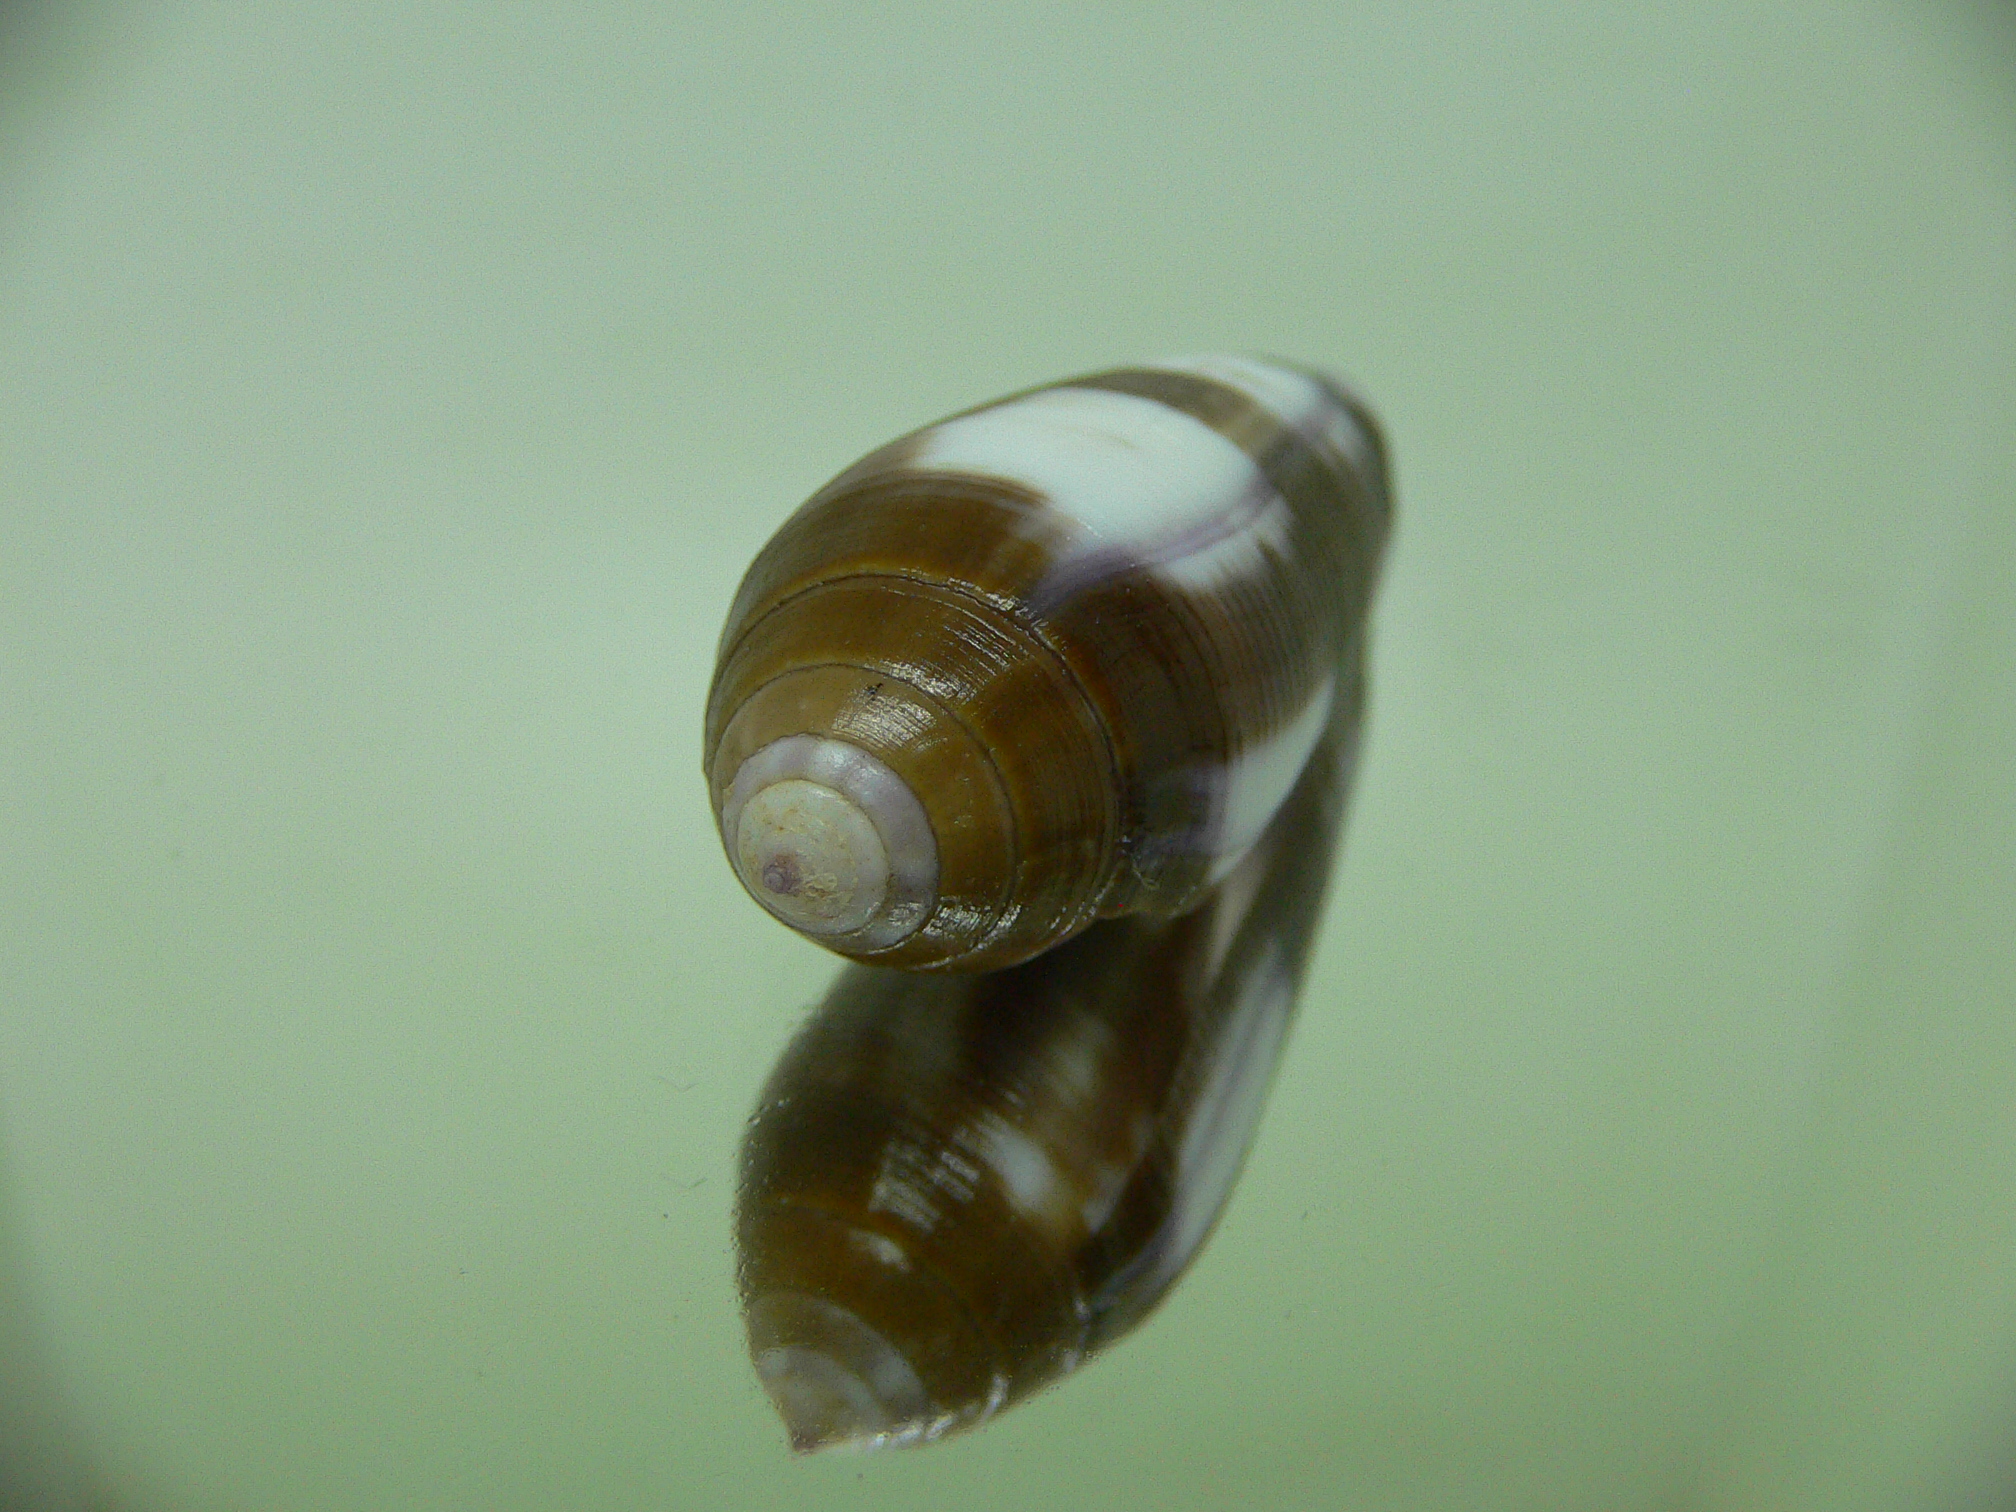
x=1056 y=658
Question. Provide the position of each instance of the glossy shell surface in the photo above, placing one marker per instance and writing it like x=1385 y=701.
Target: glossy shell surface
x=1055 y=658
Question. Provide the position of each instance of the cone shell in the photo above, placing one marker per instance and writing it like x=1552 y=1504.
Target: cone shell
x=1056 y=658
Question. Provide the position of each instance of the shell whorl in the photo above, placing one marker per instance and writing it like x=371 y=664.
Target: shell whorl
x=1058 y=657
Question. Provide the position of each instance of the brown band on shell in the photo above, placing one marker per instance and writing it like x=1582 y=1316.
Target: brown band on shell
x=1140 y=654
x=986 y=727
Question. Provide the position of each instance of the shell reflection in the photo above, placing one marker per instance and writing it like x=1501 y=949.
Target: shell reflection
x=956 y=1188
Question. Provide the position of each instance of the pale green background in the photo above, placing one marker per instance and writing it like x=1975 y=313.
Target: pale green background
x=390 y=396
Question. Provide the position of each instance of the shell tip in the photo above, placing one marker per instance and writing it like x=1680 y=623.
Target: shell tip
x=811 y=856
x=831 y=841
x=834 y=1380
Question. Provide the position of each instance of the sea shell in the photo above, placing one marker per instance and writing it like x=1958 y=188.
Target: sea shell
x=1057 y=658
x=1067 y=687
